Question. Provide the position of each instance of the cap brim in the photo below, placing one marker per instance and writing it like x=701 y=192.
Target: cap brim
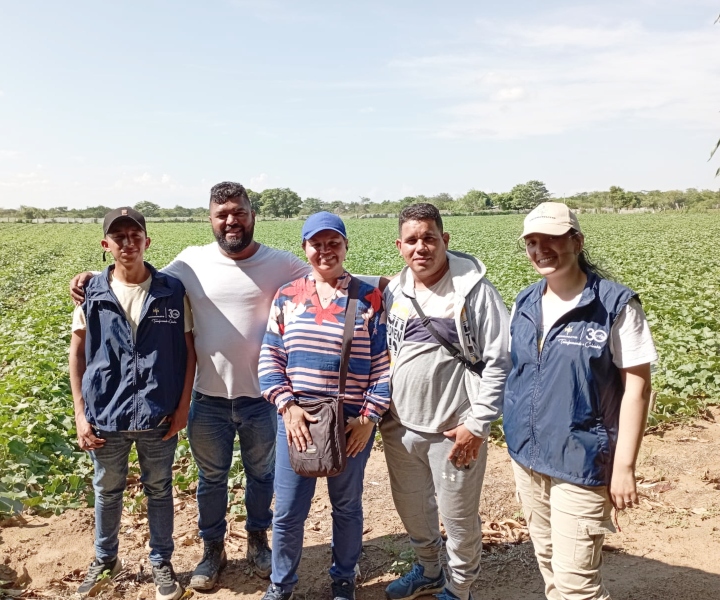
x=546 y=229
x=124 y=218
x=310 y=234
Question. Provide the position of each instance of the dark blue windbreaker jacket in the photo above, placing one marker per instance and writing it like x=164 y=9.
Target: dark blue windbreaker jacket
x=562 y=404
x=131 y=386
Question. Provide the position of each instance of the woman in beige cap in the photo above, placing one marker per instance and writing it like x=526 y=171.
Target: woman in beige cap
x=576 y=401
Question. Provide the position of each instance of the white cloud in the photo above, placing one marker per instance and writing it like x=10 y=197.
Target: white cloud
x=510 y=94
x=8 y=154
x=367 y=110
x=259 y=183
x=532 y=79
x=145 y=180
x=25 y=180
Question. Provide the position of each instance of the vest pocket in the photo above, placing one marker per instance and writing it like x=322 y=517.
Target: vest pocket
x=589 y=541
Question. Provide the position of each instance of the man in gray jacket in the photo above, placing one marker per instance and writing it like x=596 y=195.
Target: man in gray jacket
x=448 y=340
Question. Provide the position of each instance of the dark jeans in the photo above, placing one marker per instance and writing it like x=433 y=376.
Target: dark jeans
x=156 y=459
x=212 y=427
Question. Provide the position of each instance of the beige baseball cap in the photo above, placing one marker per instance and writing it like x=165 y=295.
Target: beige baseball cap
x=550 y=218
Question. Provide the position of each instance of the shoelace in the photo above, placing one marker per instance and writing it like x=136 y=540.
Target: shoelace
x=163 y=575
x=413 y=575
x=94 y=571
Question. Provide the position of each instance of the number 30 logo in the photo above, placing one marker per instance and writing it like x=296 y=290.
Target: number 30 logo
x=596 y=335
x=174 y=313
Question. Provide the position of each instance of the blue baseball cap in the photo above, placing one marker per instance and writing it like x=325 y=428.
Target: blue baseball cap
x=320 y=221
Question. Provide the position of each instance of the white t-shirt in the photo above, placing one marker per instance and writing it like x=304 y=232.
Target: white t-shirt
x=631 y=342
x=231 y=302
x=429 y=392
x=131 y=297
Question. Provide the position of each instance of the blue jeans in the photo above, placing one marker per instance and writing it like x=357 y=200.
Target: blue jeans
x=293 y=495
x=111 y=468
x=212 y=426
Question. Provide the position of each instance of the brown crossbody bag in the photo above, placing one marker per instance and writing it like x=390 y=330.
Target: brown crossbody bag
x=327 y=456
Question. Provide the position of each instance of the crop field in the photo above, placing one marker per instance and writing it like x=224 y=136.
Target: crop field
x=671 y=260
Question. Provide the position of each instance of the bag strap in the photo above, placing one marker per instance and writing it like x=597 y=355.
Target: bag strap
x=348 y=332
x=456 y=354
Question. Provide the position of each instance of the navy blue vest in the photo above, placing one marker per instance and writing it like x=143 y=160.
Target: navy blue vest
x=562 y=404
x=131 y=386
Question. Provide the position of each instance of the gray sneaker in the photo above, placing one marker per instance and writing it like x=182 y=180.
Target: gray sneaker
x=275 y=593
x=97 y=573
x=167 y=587
x=259 y=554
x=207 y=572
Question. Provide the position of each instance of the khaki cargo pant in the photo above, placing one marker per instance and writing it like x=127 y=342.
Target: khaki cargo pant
x=567 y=525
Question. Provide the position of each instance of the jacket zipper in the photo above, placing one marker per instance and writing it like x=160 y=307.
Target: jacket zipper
x=558 y=325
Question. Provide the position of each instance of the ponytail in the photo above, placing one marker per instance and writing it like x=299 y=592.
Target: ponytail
x=589 y=266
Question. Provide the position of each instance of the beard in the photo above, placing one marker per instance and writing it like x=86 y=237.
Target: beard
x=238 y=244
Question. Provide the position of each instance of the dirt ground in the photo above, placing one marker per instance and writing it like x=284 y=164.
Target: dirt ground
x=669 y=547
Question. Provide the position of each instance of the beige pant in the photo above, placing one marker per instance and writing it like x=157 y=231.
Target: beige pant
x=567 y=525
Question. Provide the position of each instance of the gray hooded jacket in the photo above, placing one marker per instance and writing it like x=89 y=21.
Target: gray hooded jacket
x=431 y=397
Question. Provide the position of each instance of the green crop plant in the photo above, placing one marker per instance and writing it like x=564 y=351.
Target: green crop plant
x=669 y=259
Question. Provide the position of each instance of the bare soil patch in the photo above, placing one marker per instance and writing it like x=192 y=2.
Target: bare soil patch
x=669 y=547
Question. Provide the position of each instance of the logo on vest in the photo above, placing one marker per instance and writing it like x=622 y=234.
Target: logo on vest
x=566 y=337
x=595 y=338
x=167 y=315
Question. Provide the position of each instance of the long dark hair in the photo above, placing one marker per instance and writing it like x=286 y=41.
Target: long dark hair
x=588 y=265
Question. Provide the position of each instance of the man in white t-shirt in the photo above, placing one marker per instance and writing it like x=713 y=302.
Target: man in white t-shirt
x=230 y=284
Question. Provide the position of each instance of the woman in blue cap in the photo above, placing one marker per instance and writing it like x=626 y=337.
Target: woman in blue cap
x=299 y=362
x=576 y=402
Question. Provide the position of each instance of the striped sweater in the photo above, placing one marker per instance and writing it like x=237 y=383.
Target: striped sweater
x=300 y=356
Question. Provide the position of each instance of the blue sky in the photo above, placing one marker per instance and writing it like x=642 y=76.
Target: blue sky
x=114 y=103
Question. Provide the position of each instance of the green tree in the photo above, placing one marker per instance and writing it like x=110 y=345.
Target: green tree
x=504 y=200
x=280 y=202
x=29 y=212
x=336 y=206
x=255 y=200
x=96 y=212
x=474 y=201
x=147 y=209
x=180 y=211
x=527 y=196
x=311 y=206
x=619 y=198
x=443 y=201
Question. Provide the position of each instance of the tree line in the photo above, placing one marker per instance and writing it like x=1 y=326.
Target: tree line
x=285 y=203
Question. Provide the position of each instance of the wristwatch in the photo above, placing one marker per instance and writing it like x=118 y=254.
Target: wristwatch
x=374 y=418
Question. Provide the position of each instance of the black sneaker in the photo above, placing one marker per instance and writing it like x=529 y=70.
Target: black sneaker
x=213 y=561
x=97 y=573
x=343 y=589
x=275 y=593
x=259 y=554
x=167 y=586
